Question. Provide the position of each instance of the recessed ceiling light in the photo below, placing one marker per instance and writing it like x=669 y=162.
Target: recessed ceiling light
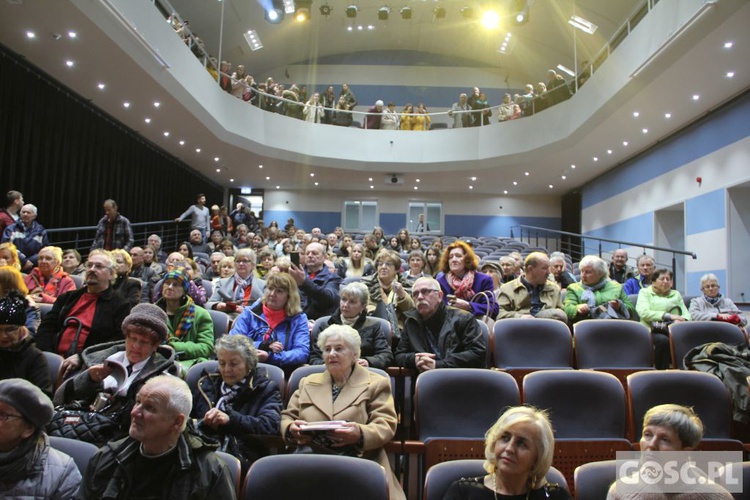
x=609 y=151
x=101 y=86
x=312 y=174
x=349 y=28
x=645 y=131
x=182 y=143
x=360 y=28
x=166 y=134
x=473 y=178
x=231 y=180
x=563 y=177
x=370 y=179
x=730 y=74
x=72 y=34
x=157 y=104
x=268 y=178
x=667 y=115
x=415 y=188
x=471 y=187
x=278 y=187
x=260 y=166
x=372 y=187
x=596 y=158
x=526 y=174
x=574 y=167
x=126 y=104
x=197 y=150
x=636 y=114
x=515 y=183
x=624 y=143
x=30 y=34
x=696 y=97
x=370 y=27
x=218 y=170
x=316 y=183
x=69 y=63
x=147 y=120
x=418 y=180
x=216 y=158
x=505 y=191
x=728 y=45
x=551 y=186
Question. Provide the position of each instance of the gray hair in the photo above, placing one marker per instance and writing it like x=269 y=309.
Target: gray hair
x=347 y=334
x=155 y=236
x=246 y=252
x=30 y=207
x=644 y=256
x=356 y=290
x=241 y=345
x=596 y=263
x=180 y=399
x=708 y=277
x=556 y=254
x=556 y=258
x=505 y=258
x=681 y=419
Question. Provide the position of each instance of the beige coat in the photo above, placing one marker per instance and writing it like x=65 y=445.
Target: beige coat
x=365 y=399
x=515 y=300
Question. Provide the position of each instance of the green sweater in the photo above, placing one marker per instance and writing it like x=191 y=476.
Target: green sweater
x=612 y=290
x=198 y=344
x=651 y=306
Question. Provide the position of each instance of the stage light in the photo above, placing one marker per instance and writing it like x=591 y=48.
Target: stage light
x=490 y=19
x=405 y=13
x=302 y=10
x=467 y=12
x=252 y=40
x=351 y=11
x=275 y=14
x=522 y=12
x=325 y=10
x=439 y=12
x=383 y=13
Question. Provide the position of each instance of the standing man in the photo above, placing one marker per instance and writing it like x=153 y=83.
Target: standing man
x=113 y=230
x=199 y=216
x=318 y=285
x=160 y=458
x=30 y=467
x=459 y=112
x=9 y=214
x=28 y=236
x=438 y=336
x=619 y=270
x=422 y=226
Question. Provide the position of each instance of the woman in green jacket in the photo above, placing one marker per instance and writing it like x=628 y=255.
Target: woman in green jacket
x=596 y=296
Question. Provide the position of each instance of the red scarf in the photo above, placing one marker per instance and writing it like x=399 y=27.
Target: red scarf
x=274 y=319
x=462 y=286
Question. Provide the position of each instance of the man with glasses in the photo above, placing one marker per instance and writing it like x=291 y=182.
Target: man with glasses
x=438 y=336
x=29 y=467
x=91 y=315
x=231 y=295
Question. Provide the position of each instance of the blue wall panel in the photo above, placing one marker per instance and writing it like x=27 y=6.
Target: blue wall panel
x=638 y=229
x=491 y=225
x=715 y=133
x=392 y=223
x=694 y=281
x=705 y=212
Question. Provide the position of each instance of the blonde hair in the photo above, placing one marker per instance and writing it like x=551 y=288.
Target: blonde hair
x=15 y=263
x=12 y=279
x=285 y=282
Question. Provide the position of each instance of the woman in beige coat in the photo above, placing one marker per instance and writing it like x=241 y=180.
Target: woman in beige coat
x=345 y=392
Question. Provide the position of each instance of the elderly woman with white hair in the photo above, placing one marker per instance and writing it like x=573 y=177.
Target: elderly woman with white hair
x=713 y=306
x=375 y=350
x=596 y=296
x=348 y=392
x=519 y=449
x=48 y=281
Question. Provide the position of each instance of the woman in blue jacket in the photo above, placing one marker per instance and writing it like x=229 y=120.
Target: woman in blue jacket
x=277 y=325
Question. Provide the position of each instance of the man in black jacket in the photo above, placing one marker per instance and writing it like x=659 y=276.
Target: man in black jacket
x=89 y=316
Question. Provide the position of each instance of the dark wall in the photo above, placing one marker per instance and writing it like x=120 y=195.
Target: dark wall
x=67 y=156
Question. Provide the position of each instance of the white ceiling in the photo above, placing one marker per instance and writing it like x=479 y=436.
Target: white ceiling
x=697 y=64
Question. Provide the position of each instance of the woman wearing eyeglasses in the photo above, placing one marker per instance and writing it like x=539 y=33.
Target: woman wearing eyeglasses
x=390 y=296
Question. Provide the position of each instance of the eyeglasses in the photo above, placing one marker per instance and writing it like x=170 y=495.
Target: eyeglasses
x=423 y=291
x=241 y=261
x=95 y=265
x=5 y=416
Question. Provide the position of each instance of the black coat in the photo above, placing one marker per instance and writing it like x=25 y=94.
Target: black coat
x=375 y=347
x=111 y=310
x=27 y=362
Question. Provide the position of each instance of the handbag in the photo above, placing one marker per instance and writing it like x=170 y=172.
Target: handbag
x=489 y=299
x=75 y=422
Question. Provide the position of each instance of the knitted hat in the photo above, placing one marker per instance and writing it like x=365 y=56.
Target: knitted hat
x=181 y=277
x=150 y=316
x=13 y=310
x=492 y=265
x=27 y=399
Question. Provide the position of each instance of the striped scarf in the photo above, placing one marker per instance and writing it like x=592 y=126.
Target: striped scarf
x=187 y=319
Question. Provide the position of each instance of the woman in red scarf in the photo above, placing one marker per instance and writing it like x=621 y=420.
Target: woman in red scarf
x=48 y=281
x=277 y=324
x=462 y=284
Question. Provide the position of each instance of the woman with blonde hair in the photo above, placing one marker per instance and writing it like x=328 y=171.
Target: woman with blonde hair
x=519 y=449
x=11 y=282
x=9 y=255
x=356 y=264
x=48 y=281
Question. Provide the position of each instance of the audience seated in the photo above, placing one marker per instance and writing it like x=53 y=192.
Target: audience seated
x=98 y=313
x=30 y=467
x=48 y=280
x=128 y=287
x=389 y=297
x=318 y=285
x=364 y=400
x=9 y=256
x=641 y=280
x=355 y=264
x=416 y=264
x=151 y=260
x=238 y=400
x=532 y=295
x=19 y=357
x=510 y=269
x=72 y=263
x=437 y=336
x=619 y=270
x=191 y=329
x=561 y=275
x=116 y=371
x=143 y=272
x=658 y=306
x=596 y=296
x=375 y=349
x=277 y=325
x=433 y=256
x=236 y=292
x=462 y=285
x=28 y=236
x=713 y=306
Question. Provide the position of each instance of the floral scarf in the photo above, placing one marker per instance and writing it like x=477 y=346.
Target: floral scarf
x=462 y=286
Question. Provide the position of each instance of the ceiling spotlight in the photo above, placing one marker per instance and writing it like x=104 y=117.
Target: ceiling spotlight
x=467 y=12
x=383 y=13
x=72 y=34
x=439 y=12
x=302 y=10
x=147 y=120
x=522 y=11
x=325 y=10
x=166 y=134
x=289 y=6
x=667 y=115
x=197 y=150
x=275 y=14
x=182 y=143
x=490 y=19
x=157 y=104
x=101 y=86
x=69 y=63
x=730 y=74
x=405 y=13
x=252 y=39
x=126 y=104
x=30 y=34
x=351 y=11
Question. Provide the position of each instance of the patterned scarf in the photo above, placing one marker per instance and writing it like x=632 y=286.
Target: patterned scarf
x=185 y=323
x=228 y=393
x=712 y=300
x=462 y=286
x=588 y=292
